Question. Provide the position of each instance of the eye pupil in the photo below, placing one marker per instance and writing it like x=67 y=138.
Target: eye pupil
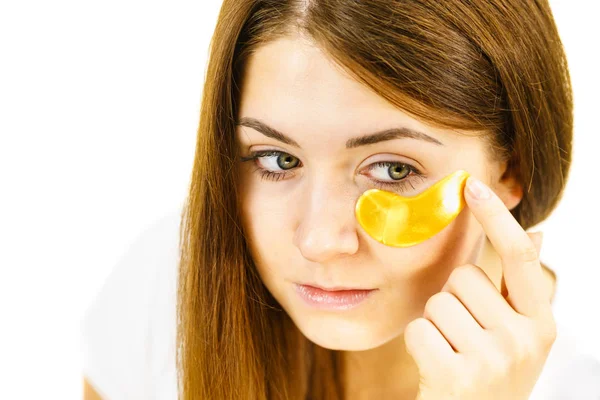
x=393 y=171
x=284 y=161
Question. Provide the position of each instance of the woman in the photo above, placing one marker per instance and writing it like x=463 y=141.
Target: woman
x=307 y=104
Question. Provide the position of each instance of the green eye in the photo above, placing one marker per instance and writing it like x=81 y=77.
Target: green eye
x=402 y=174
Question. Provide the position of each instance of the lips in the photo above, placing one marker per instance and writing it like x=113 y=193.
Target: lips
x=335 y=288
x=334 y=299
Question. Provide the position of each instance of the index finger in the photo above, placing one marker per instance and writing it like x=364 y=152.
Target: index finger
x=521 y=267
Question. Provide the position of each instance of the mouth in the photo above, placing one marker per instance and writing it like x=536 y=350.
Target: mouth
x=335 y=298
x=334 y=288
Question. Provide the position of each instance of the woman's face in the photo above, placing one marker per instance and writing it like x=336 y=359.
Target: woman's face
x=300 y=221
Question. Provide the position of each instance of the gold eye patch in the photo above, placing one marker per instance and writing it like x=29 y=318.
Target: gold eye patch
x=406 y=221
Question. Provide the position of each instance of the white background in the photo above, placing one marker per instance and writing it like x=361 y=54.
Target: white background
x=98 y=110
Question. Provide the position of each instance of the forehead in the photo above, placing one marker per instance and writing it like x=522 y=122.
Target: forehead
x=295 y=87
x=299 y=73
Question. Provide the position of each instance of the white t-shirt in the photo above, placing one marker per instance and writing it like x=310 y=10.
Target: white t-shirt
x=128 y=333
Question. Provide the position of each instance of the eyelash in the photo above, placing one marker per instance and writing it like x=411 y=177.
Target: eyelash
x=400 y=185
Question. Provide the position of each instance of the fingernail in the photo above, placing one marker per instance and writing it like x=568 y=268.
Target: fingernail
x=478 y=189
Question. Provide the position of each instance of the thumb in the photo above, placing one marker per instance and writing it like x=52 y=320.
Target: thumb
x=536 y=238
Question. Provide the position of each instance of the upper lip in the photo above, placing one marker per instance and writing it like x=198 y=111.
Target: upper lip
x=334 y=288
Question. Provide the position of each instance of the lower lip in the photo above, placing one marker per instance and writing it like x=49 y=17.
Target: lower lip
x=332 y=300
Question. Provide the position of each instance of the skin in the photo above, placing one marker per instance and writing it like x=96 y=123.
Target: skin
x=472 y=342
x=89 y=393
x=302 y=227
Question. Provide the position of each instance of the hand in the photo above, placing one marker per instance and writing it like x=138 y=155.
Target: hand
x=475 y=343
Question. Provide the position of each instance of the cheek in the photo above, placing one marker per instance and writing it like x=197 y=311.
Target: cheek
x=454 y=245
x=451 y=245
x=422 y=270
x=264 y=220
x=266 y=232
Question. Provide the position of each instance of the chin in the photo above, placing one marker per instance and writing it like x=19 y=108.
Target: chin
x=338 y=333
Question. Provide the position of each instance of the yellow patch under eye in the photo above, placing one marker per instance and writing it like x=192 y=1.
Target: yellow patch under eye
x=399 y=221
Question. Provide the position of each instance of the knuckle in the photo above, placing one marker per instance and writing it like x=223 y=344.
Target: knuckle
x=523 y=344
x=414 y=330
x=437 y=302
x=497 y=362
x=413 y=327
x=547 y=332
x=461 y=272
x=493 y=212
x=526 y=350
x=527 y=252
x=515 y=340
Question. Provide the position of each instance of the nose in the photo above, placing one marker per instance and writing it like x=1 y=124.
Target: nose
x=327 y=226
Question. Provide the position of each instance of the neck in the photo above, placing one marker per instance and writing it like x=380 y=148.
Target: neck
x=383 y=372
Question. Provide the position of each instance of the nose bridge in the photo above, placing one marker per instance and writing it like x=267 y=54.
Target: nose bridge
x=327 y=225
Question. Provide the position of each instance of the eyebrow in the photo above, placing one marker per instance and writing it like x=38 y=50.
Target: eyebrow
x=372 y=138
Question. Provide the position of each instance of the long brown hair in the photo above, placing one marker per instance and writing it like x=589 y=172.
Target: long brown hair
x=495 y=68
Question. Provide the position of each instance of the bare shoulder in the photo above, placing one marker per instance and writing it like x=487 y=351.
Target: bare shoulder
x=89 y=393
